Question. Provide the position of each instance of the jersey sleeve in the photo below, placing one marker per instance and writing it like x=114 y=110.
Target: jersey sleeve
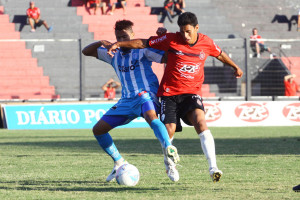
x=160 y=42
x=154 y=55
x=102 y=55
x=38 y=11
x=215 y=50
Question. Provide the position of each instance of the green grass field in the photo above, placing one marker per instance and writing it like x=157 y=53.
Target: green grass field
x=257 y=162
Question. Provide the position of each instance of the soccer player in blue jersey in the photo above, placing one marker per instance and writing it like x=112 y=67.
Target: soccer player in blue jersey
x=139 y=88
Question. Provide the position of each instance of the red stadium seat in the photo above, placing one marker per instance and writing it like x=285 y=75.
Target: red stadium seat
x=20 y=76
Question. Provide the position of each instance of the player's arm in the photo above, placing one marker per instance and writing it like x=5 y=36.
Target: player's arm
x=28 y=14
x=131 y=44
x=287 y=77
x=91 y=49
x=104 y=87
x=117 y=84
x=224 y=58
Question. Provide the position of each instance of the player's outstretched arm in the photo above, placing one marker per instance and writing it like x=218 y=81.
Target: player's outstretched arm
x=131 y=44
x=224 y=58
x=91 y=49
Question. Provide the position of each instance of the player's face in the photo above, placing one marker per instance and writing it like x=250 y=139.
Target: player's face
x=124 y=35
x=31 y=5
x=254 y=32
x=189 y=33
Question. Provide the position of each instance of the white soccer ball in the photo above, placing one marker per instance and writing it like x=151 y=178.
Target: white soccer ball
x=128 y=175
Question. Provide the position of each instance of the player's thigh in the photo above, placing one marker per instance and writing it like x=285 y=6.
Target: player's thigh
x=197 y=119
x=190 y=107
x=149 y=111
x=108 y=122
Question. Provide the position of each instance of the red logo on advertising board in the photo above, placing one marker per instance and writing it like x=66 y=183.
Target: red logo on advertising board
x=212 y=112
x=292 y=112
x=251 y=112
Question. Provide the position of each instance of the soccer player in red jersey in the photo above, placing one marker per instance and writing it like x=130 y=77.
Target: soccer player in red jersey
x=33 y=14
x=180 y=88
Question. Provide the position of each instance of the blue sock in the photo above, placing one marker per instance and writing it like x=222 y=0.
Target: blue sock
x=107 y=144
x=161 y=132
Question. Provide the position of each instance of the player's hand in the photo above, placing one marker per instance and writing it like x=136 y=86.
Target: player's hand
x=106 y=44
x=238 y=73
x=161 y=31
x=112 y=49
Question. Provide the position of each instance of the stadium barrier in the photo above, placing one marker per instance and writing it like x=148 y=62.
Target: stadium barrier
x=80 y=115
x=262 y=76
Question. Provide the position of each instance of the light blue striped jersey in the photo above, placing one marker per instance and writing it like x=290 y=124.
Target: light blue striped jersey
x=134 y=69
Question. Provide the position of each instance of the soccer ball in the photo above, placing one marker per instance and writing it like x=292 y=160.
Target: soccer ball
x=128 y=175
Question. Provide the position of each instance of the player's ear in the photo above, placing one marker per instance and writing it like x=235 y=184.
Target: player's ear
x=197 y=27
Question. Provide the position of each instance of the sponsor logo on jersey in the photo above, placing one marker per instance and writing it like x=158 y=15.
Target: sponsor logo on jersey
x=188 y=70
x=158 y=40
x=212 y=112
x=251 y=112
x=292 y=112
x=134 y=64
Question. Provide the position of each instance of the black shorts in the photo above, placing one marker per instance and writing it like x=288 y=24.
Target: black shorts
x=174 y=108
x=40 y=23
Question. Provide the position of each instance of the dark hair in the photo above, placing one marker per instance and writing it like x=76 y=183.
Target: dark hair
x=123 y=25
x=187 y=18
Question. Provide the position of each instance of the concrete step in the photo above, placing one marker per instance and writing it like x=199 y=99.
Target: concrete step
x=25 y=81
x=56 y=28
x=39 y=4
x=45 y=11
x=12 y=45
x=10 y=35
x=53 y=35
x=23 y=53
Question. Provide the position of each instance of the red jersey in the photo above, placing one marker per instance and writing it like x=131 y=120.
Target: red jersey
x=93 y=1
x=257 y=38
x=33 y=13
x=110 y=93
x=290 y=88
x=184 y=73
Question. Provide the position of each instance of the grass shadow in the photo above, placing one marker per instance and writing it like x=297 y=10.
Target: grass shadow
x=280 y=145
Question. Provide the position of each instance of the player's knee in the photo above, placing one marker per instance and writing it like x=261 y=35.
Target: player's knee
x=171 y=128
x=97 y=130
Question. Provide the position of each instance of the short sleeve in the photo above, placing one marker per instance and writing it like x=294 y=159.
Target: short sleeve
x=102 y=55
x=38 y=11
x=154 y=55
x=215 y=50
x=161 y=42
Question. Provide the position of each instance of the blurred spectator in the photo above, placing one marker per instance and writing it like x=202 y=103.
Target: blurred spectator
x=257 y=45
x=105 y=6
x=179 y=6
x=109 y=89
x=290 y=85
x=168 y=11
x=119 y=4
x=92 y=4
x=34 y=14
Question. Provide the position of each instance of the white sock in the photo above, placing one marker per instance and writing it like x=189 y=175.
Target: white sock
x=208 y=147
x=120 y=162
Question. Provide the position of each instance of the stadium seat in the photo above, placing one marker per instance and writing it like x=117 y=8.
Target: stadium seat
x=20 y=77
